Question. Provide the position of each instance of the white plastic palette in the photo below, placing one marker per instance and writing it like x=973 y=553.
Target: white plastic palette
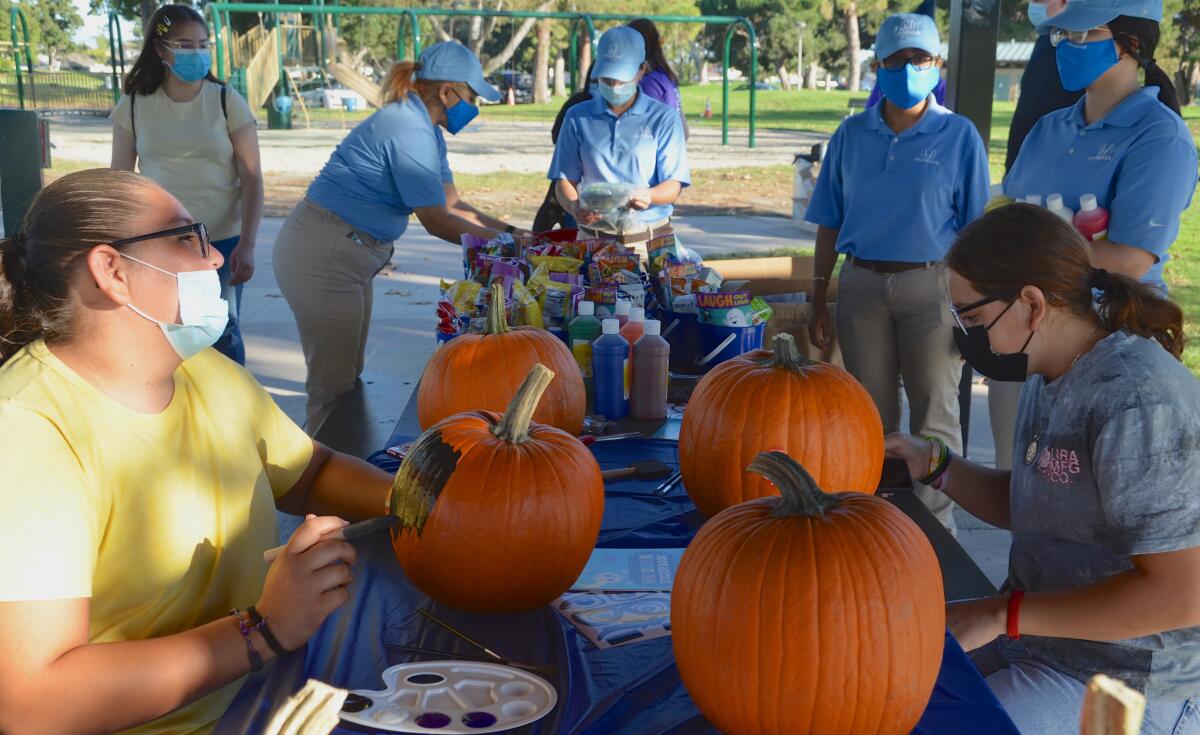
x=453 y=697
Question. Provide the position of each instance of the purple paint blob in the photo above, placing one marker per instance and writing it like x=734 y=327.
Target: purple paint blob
x=479 y=719
x=355 y=703
x=433 y=720
x=425 y=679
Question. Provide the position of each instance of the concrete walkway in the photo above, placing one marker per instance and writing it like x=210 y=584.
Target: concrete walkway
x=484 y=147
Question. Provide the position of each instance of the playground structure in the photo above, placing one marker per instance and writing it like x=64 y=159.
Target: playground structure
x=248 y=56
x=293 y=49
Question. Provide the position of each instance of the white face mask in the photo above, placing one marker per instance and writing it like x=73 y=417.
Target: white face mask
x=203 y=311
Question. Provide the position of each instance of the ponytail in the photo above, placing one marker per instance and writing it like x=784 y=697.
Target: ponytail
x=18 y=321
x=1139 y=38
x=1132 y=306
x=400 y=82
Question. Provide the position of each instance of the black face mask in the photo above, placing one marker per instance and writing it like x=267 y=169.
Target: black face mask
x=976 y=349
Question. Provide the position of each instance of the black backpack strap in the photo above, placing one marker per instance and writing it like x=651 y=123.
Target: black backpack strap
x=132 y=116
x=224 y=110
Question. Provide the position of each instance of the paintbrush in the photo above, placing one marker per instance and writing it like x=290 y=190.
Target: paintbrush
x=353 y=531
x=462 y=635
x=461 y=657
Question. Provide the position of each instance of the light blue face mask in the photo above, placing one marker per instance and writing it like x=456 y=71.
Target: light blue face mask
x=907 y=86
x=203 y=312
x=191 y=65
x=619 y=94
x=1036 y=13
x=1081 y=64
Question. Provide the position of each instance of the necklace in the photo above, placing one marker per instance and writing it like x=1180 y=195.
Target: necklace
x=1031 y=451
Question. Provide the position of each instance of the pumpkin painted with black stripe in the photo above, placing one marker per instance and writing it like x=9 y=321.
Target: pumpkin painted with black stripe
x=814 y=411
x=809 y=613
x=497 y=514
x=483 y=371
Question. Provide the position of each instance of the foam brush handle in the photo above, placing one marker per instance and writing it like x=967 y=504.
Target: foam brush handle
x=347 y=533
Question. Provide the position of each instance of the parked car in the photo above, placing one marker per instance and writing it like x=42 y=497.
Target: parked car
x=521 y=84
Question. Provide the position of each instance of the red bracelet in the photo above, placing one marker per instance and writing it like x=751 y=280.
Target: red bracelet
x=1014 y=614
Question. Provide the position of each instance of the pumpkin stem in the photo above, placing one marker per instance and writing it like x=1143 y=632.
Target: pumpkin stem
x=801 y=496
x=514 y=425
x=786 y=354
x=496 y=323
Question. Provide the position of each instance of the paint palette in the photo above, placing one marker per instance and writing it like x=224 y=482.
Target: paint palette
x=452 y=697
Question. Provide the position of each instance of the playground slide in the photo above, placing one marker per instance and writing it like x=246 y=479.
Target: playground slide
x=352 y=80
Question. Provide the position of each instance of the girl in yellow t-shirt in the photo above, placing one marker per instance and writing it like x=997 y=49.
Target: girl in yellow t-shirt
x=196 y=137
x=141 y=472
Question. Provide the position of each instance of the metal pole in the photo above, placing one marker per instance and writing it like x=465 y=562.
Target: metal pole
x=112 y=52
x=218 y=34
x=401 y=39
x=971 y=71
x=415 y=27
x=574 y=54
x=725 y=87
x=753 y=41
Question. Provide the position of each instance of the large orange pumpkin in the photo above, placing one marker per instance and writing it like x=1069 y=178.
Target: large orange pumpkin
x=814 y=411
x=497 y=514
x=809 y=613
x=483 y=371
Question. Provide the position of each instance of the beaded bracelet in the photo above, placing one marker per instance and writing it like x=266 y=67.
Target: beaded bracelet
x=268 y=636
x=246 y=628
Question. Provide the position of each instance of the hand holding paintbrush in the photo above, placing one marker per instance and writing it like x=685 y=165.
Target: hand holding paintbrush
x=353 y=531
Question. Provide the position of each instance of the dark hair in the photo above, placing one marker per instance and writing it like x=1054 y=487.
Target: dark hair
x=1139 y=37
x=1022 y=245
x=65 y=221
x=655 y=57
x=149 y=71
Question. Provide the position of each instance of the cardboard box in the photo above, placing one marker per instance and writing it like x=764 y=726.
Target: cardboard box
x=776 y=276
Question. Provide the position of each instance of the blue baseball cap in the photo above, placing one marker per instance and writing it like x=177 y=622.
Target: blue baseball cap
x=619 y=55
x=907 y=30
x=1084 y=15
x=450 y=61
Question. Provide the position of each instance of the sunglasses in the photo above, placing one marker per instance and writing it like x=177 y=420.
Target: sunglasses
x=957 y=312
x=188 y=233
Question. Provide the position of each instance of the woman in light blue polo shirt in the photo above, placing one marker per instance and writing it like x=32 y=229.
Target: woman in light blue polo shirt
x=1122 y=142
x=622 y=136
x=392 y=165
x=898 y=182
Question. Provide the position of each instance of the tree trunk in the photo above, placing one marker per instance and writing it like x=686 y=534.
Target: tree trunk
x=704 y=72
x=500 y=59
x=541 y=63
x=785 y=78
x=852 y=45
x=585 y=60
x=810 y=78
x=560 y=76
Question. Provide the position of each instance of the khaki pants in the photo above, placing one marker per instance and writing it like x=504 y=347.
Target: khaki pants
x=1002 y=410
x=895 y=327
x=325 y=268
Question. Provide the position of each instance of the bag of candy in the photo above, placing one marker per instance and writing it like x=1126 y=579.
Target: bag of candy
x=732 y=309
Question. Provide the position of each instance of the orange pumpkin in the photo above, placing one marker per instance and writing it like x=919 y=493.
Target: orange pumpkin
x=809 y=613
x=497 y=514
x=814 y=411
x=483 y=371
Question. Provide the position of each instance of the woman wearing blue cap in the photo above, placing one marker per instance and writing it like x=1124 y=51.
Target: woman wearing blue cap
x=622 y=136
x=392 y=165
x=1123 y=144
x=898 y=182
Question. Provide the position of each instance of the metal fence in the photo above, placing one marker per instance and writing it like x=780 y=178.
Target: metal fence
x=49 y=91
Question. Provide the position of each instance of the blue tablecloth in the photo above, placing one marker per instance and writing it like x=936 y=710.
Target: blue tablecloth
x=629 y=690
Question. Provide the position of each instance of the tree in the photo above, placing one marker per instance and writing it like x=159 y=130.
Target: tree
x=51 y=26
x=541 y=64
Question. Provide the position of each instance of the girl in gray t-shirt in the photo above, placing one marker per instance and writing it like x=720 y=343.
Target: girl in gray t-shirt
x=1102 y=500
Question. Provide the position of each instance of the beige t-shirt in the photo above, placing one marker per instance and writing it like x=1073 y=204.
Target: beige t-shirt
x=185 y=147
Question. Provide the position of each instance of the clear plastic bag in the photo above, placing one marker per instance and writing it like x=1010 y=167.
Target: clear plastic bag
x=610 y=200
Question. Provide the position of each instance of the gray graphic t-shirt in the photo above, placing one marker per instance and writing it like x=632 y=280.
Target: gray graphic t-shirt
x=1107 y=465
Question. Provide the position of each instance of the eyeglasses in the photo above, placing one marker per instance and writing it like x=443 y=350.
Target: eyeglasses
x=919 y=61
x=193 y=236
x=1058 y=35
x=958 y=312
x=186 y=45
